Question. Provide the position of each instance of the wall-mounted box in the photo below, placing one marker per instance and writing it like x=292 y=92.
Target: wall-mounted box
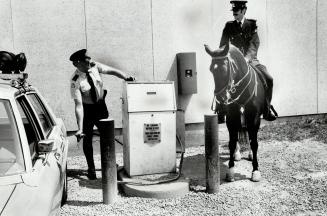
x=187 y=74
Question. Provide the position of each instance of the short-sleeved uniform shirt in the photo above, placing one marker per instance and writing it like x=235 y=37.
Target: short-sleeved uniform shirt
x=80 y=87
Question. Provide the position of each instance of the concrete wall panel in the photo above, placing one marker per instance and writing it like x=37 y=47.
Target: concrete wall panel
x=119 y=34
x=6 y=42
x=292 y=55
x=183 y=26
x=322 y=57
x=48 y=33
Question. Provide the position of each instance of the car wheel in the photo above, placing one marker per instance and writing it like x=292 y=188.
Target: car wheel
x=64 y=190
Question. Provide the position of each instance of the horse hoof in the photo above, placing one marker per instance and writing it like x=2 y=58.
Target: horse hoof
x=250 y=155
x=230 y=175
x=237 y=156
x=256 y=176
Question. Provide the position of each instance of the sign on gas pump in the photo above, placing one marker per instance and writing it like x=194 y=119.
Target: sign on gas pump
x=152 y=133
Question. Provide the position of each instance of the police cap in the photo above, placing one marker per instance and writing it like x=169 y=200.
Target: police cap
x=79 y=55
x=238 y=5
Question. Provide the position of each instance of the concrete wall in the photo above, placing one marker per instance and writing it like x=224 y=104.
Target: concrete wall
x=292 y=52
x=142 y=38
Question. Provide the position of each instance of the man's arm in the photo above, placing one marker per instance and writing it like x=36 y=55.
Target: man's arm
x=105 y=69
x=225 y=36
x=253 y=44
x=79 y=113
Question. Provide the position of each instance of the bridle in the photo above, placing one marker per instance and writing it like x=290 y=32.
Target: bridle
x=227 y=94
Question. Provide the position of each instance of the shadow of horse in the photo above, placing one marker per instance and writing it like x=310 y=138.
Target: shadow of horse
x=194 y=168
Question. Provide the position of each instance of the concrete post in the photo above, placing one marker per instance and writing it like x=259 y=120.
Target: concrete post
x=211 y=153
x=108 y=160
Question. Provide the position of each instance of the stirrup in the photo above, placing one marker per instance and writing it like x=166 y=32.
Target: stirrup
x=270 y=117
x=273 y=110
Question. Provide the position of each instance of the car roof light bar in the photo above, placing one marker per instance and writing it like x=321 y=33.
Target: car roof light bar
x=20 y=76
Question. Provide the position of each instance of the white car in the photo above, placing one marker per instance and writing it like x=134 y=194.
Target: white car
x=33 y=151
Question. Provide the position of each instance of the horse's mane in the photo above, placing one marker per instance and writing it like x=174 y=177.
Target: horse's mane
x=238 y=58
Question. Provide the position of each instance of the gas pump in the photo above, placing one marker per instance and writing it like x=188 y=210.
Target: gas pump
x=149 y=127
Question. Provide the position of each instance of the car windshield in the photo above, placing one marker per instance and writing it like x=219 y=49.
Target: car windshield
x=11 y=156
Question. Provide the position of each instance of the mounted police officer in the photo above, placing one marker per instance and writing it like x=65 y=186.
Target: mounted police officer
x=242 y=33
x=89 y=97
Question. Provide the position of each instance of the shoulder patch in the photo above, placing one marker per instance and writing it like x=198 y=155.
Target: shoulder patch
x=75 y=78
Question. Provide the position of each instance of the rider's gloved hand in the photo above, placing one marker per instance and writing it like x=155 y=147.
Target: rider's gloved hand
x=130 y=79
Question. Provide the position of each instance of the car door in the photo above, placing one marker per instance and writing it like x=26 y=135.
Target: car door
x=46 y=167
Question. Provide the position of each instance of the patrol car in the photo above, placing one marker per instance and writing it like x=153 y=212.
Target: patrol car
x=33 y=151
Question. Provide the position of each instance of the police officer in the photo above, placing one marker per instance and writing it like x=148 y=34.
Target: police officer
x=89 y=97
x=242 y=33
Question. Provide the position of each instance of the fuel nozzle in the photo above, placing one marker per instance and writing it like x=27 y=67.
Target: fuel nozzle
x=79 y=136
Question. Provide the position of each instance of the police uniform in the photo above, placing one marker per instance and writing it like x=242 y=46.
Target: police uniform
x=242 y=35
x=93 y=110
x=80 y=87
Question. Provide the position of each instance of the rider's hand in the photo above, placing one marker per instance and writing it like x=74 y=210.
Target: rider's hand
x=130 y=79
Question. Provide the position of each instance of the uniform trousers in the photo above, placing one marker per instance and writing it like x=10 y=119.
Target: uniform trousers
x=92 y=114
x=267 y=78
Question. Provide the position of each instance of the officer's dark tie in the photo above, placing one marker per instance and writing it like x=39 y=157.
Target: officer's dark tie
x=92 y=90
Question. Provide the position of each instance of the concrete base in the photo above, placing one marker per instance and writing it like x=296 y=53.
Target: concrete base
x=144 y=186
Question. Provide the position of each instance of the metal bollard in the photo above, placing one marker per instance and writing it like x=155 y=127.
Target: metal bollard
x=211 y=153
x=108 y=160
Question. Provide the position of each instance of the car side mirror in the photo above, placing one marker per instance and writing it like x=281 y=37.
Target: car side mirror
x=45 y=146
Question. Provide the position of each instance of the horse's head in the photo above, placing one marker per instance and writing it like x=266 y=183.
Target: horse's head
x=220 y=68
x=225 y=64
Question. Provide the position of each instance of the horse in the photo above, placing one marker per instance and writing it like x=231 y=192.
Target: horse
x=239 y=88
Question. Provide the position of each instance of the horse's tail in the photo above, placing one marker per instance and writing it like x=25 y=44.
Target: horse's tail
x=243 y=136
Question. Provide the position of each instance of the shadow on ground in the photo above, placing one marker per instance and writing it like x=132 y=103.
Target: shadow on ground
x=80 y=175
x=194 y=169
x=82 y=203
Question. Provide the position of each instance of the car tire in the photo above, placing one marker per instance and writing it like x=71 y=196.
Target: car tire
x=64 y=190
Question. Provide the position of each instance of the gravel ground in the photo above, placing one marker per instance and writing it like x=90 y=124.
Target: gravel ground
x=294 y=181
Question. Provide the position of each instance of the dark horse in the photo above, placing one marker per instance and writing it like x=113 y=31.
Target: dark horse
x=239 y=88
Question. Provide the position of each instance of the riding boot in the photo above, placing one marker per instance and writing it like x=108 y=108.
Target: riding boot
x=268 y=115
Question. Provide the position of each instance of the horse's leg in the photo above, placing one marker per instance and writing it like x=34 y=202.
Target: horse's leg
x=253 y=135
x=232 y=146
